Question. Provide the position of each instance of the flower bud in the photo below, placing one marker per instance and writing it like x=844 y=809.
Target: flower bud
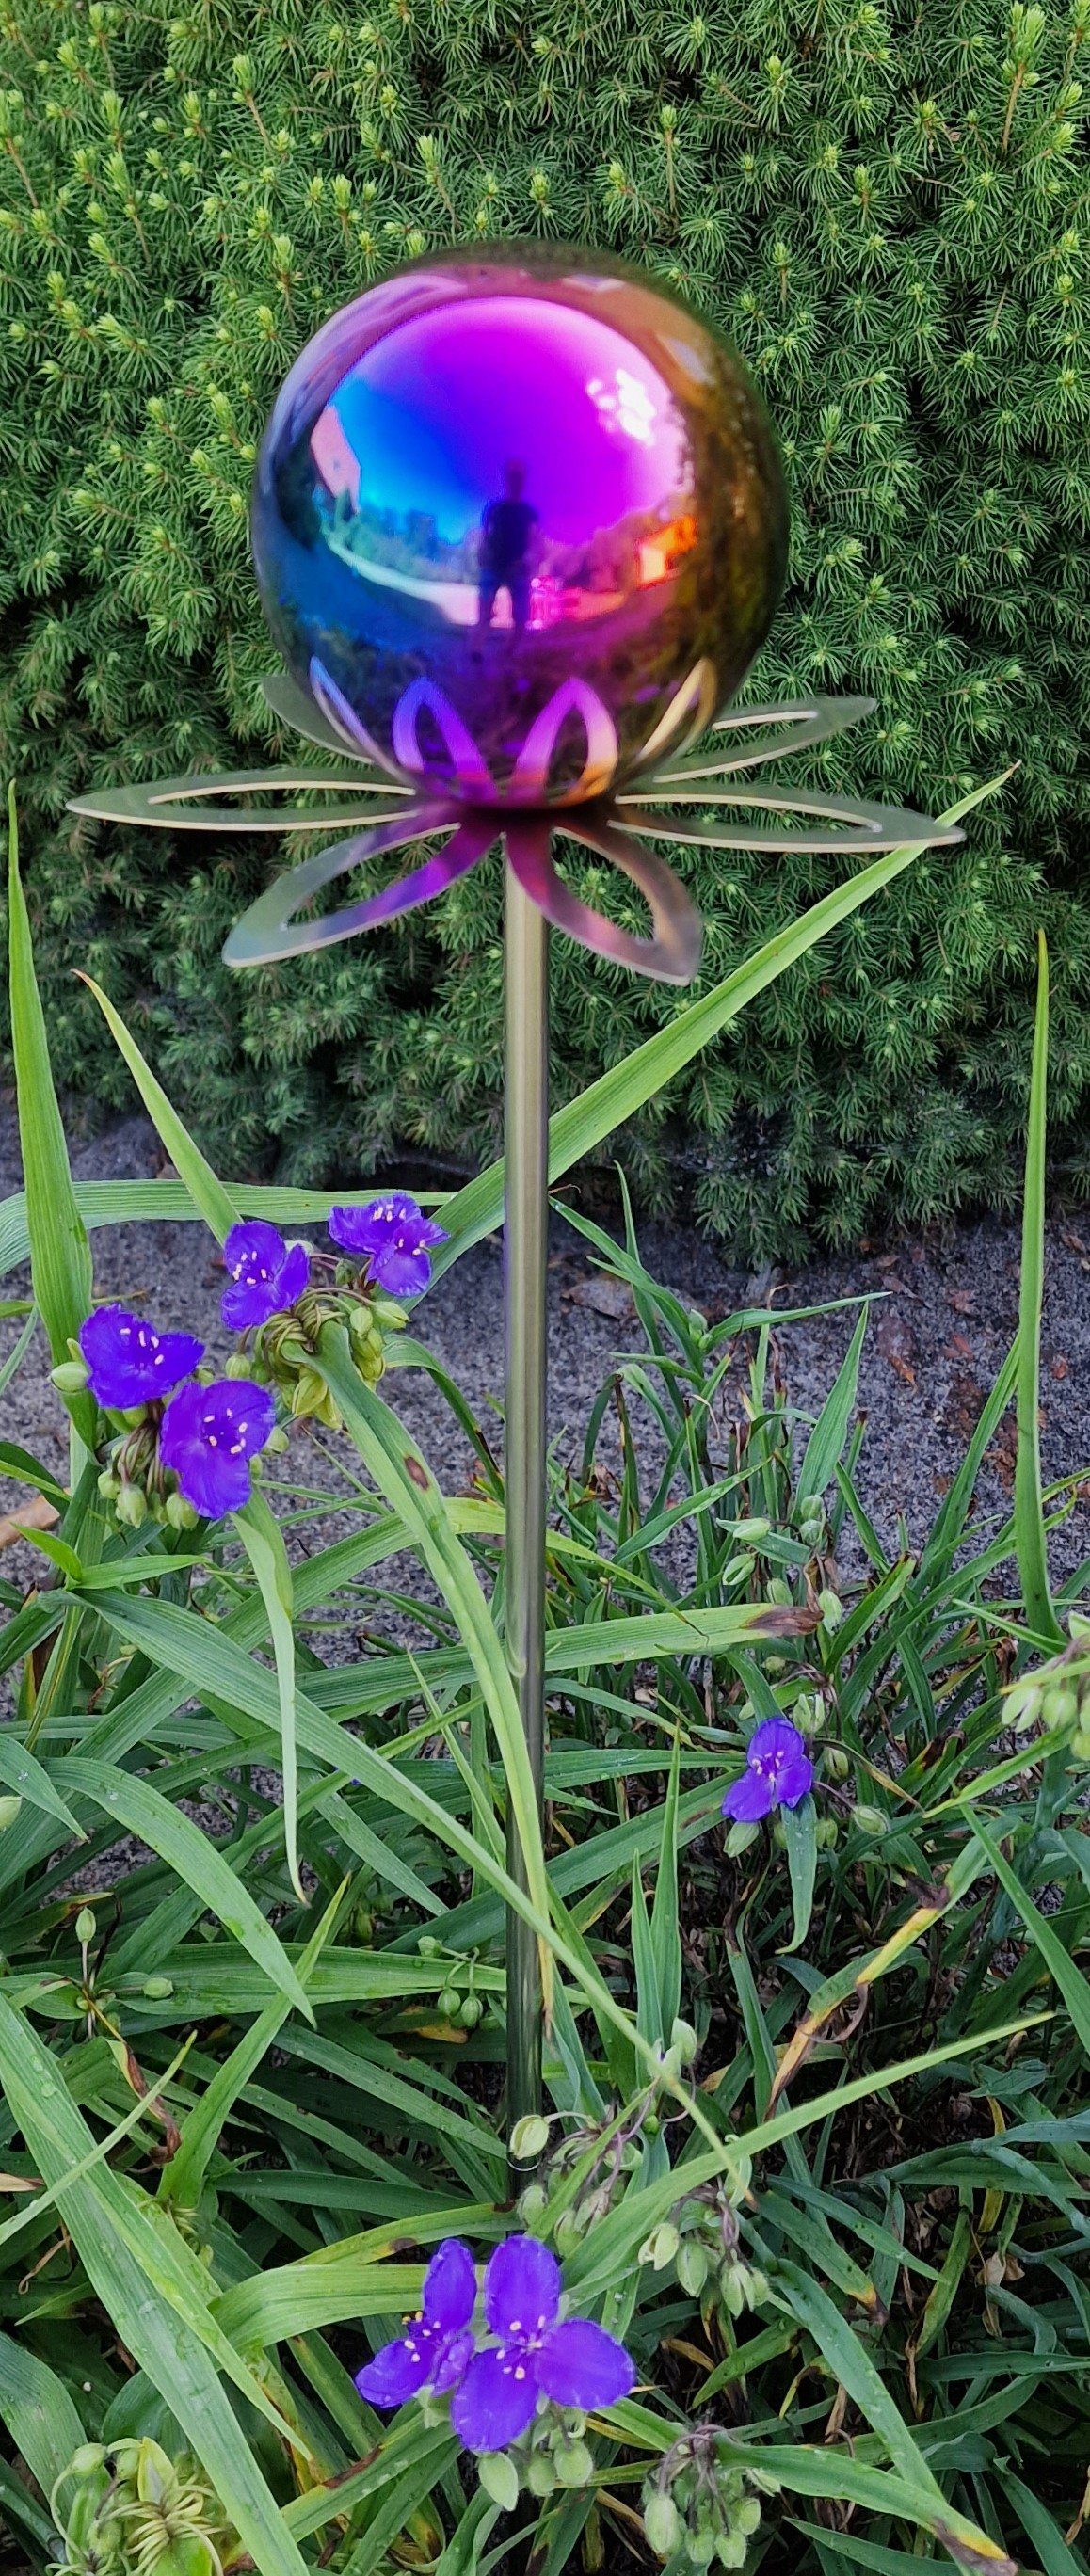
x=470 y=2011
x=131 y=1506
x=732 y=2288
x=661 y=2246
x=752 y=1529
x=683 y=2037
x=831 y=1608
x=9 y=1809
x=662 y=2523
x=739 y=1838
x=567 y=2232
x=827 y=1833
x=86 y=2460
x=157 y=1989
x=428 y=1946
x=533 y=2202
x=85 y=1926
x=1080 y=1744
x=108 y=1485
x=692 y=2265
x=499 y=2478
x=779 y=1591
x=870 y=1820
x=69 y=1377
x=1059 y=1704
x=573 y=2464
x=540 y=2474
x=835 y=1763
x=730 y=2548
x=529 y=2138
x=449 y=2001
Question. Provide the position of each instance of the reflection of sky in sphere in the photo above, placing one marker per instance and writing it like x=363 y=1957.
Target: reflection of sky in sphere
x=438 y=410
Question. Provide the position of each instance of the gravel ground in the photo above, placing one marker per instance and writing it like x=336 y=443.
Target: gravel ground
x=948 y=1310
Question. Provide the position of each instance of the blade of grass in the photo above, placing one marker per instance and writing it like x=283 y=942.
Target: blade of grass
x=167 y=1830
x=1029 y=1519
x=263 y=1541
x=60 y=1255
x=1073 y=1986
x=104 y=2216
x=205 y=1188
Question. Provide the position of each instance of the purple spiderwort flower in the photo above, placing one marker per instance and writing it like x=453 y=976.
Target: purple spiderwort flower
x=209 y=1435
x=264 y=1275
x=394 y=1237
x=436 y=2345
x=128 y=1363
x=574 y=2364
x=778 y=1772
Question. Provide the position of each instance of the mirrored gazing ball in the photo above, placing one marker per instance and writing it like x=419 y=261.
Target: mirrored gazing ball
x=519 y=524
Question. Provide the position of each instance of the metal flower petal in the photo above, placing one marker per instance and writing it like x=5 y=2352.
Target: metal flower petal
x=471 y=818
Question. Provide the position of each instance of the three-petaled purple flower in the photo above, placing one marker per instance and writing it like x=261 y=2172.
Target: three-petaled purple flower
x=394 y=1237
x=574 y=2363
x=264 y=1275
x=778 y=1772
x=436 y=2345
x=128 y=1363
x=209 y=1435
x=496 y=2387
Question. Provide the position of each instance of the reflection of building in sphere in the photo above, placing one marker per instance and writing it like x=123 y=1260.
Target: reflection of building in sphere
x=505 y=469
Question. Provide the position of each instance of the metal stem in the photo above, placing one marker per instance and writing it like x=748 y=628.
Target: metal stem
x=526 y=1217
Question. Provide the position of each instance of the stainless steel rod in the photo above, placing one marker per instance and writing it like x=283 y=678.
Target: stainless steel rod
x=526 y=1218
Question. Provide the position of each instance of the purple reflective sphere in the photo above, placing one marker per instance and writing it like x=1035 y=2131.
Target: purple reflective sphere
x=519 y=524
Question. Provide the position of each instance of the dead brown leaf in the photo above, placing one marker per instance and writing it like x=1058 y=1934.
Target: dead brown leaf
x=37 y=1514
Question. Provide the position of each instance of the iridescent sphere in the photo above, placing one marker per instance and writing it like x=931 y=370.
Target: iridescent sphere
x=519 y=524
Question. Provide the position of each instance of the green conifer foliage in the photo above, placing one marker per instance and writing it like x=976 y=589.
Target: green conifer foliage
x=886 y=206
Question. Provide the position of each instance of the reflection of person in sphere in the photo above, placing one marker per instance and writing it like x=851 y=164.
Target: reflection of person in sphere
x=505 y=555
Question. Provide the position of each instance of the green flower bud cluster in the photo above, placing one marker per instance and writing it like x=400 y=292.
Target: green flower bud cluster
x=810 y=1521
x=699 y=2509
x=1058 y=1693
x=458 y=2002
x=282 y=1352
x=127 y=2509
x=699 y=2242
x=136 y=1482
x=552 y=2454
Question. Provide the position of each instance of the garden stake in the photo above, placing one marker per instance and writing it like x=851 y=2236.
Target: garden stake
x=545 y=429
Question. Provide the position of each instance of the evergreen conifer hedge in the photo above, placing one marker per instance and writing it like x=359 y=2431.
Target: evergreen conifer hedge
x=887 y=208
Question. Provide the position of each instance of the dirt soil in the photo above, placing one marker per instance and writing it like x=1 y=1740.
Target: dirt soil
x=945 y=1314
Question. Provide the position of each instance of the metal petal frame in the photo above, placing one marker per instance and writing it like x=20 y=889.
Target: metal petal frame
x=611 y=823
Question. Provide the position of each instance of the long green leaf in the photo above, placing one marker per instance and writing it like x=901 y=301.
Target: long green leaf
x=627 y=1087
x=60 y=1255
x=100 y=2213
x=263 y=1541
x=39 y=2413
x=402 y=1475
x=142 y=1810
x=183 y=2176
x=205 y=1189
x=1029 y=1518
x=1073 y=1986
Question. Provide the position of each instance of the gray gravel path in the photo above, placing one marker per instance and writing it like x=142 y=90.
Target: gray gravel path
x=949 y=1304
